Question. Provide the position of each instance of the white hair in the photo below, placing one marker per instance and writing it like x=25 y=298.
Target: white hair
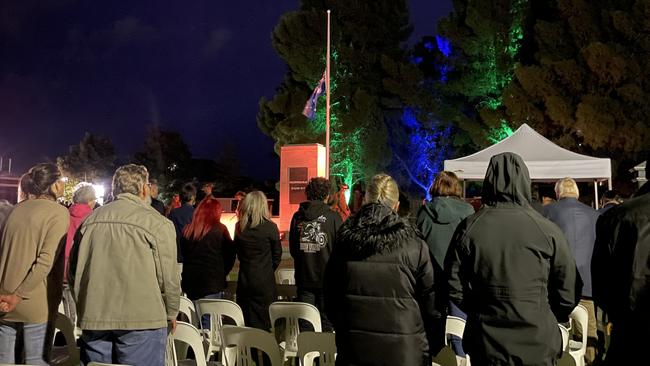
x=566 y=187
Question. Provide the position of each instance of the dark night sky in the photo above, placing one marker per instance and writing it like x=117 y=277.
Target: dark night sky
x=112 y=68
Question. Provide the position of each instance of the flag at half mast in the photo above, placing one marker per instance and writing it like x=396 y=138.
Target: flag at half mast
x=310 y=107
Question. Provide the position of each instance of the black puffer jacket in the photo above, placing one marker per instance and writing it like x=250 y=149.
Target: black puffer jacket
x=512 y=272
x=621 y=276
x=379 y=292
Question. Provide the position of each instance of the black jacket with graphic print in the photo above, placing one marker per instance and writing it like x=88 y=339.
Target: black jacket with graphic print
x=312 y=232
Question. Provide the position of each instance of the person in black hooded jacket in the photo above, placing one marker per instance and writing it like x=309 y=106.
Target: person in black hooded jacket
x=620 y=269
x=379 y=286
x=312 y=232
x=512 y=272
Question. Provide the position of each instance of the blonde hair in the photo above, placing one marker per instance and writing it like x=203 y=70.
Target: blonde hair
x=383 y=189
x=566 y=187
x=253 y=210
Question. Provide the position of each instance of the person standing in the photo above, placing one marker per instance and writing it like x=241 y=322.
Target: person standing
x=512 y=272
x=155 y=202
x=578 y=223
x=182 y=215
x=437 y=220
x=124 y=276
x=620 y=269
x=83 y=200
x=379 y=286
x=31 y=266
x=208 y=252
x=257 y=241
x=609 y=200
x=311 y=234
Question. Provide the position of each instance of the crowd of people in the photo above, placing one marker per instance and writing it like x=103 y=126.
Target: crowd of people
x=384 y=283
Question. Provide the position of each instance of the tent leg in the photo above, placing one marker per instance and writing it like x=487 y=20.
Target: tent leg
x=596 y=194
x=609 y=184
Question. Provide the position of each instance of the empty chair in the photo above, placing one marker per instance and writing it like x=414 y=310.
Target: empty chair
x=577 y=349
x=292 y=312
x=312 y=345
x=217 y=309
x=285 y=276
x=188 y=335
x=67 y=355
x=455 y=326
x=246 y=338
x=187 y=308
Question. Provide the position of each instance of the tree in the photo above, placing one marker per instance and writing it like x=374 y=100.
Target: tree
x=481 y=41
x=166 y=156
x=587 y=86
x=363 y=34
x=92 y=160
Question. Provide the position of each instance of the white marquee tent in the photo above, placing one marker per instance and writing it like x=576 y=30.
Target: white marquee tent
x=545 y=160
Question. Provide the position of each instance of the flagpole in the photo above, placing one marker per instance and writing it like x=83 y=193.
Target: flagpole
x=327 y=102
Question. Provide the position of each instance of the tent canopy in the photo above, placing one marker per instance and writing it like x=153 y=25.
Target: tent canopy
x=545 y=160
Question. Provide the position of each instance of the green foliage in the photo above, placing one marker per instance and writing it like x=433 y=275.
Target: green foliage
x=487 y=38
x=363 y=34
x=587 y=86
x=92 y=160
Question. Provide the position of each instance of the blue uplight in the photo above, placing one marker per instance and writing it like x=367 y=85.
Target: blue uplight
x=444 y=45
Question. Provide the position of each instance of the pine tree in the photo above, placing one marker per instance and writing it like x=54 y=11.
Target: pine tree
x=363 y=34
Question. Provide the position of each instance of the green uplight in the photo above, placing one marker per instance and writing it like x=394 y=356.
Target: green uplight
x=499 y=133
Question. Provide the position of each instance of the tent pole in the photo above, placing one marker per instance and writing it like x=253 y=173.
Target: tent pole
x=609 y=183
x=464 y=189
x=596 y=193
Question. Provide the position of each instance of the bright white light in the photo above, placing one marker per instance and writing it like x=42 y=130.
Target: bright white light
x=64 y=179
x=99 y=193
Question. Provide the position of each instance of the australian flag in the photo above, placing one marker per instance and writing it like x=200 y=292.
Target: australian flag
x=310 y=107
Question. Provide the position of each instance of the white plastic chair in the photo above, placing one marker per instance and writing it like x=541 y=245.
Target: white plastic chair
x=246 y=338
x=67 y=355
x=565 y=336
x=578 y=349
x=312 y=345
x=292 y=312
x=285 y=276
x=217 y=309
x=187 y=334
x=455 y=326
x=187 y=308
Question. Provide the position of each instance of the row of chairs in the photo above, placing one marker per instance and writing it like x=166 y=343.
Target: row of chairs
x=238 y=344
x=217 y=310
x=574 y=349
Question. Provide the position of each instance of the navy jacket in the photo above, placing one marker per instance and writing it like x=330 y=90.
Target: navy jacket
x=578 y=223
x=181 y=216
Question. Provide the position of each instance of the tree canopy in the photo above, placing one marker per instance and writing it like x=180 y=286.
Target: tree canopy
x=364 y=36
x=92 y=160
x=587 y=86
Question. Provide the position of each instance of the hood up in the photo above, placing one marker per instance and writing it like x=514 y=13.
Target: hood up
x=375 y=229
x=507 y=181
